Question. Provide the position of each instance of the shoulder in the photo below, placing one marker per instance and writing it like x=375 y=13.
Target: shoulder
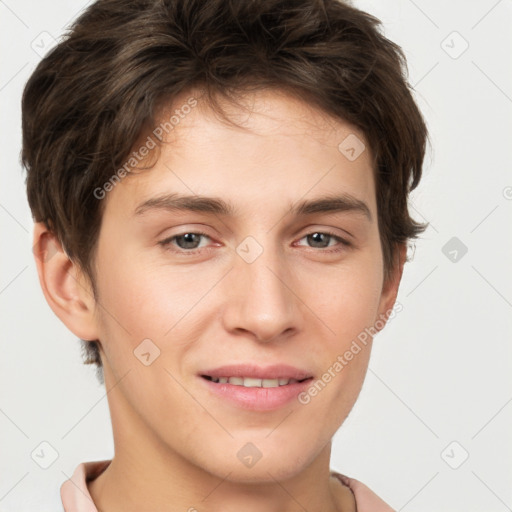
x=366 y=499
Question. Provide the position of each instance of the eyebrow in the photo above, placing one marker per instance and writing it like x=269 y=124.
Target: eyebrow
x=215 y=205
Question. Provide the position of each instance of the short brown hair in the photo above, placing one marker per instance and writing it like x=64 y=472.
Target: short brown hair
x=92 y=96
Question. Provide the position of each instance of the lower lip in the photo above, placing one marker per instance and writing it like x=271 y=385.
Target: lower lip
x=257 y=399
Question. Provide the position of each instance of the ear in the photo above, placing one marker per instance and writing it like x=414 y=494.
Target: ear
x=390 y=287
x=64 y=286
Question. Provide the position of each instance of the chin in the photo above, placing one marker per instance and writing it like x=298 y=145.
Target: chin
x=264 y=468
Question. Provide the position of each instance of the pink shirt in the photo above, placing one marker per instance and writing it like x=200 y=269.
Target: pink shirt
x=76 y=497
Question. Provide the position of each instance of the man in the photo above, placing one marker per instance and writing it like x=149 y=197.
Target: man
x=220 y=197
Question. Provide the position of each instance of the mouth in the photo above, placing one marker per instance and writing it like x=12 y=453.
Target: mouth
x=256 y=388
x=251 y=382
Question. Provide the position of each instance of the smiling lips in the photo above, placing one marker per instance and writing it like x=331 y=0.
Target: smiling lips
x=250 y=382
x=254 y=387
x=251 y=372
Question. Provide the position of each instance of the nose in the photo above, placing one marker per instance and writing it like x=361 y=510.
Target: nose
x=262 y=298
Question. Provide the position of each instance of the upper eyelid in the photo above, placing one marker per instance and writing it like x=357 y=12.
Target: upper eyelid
x=314 y=228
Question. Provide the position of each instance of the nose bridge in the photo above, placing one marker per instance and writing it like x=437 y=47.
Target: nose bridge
x=263 y=302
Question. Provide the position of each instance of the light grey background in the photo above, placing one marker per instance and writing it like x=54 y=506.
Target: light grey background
x=439 y=384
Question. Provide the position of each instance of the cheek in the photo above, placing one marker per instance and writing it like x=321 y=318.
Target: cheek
x=346 y=299
x=141 y=302
x=347 y=303
x=132 y=308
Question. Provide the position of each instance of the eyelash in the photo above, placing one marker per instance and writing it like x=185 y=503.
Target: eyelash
x=167 y=242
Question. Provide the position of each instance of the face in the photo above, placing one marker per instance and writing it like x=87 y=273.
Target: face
x=183 y=292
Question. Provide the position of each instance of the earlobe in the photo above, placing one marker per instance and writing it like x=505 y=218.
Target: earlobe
x=66 y=290
x=390 y=288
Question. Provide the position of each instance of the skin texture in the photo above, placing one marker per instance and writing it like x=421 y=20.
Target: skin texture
x=296 y=304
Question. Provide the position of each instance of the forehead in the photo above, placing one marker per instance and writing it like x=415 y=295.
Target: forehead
x=280 y=152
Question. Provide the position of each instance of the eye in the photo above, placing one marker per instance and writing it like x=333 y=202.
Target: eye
x=184 y=241
x=318 y=239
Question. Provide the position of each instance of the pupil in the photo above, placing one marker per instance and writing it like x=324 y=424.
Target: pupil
x=317 y=237
x=189 y=239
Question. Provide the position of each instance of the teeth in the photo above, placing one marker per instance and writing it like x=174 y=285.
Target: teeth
x=250 y=382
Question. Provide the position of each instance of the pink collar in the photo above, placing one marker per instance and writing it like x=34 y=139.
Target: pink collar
x=76 y=497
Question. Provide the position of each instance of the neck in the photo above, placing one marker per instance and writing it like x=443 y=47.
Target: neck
x=130 y=483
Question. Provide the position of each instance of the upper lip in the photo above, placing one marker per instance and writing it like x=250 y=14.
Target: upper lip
x=276 y=371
